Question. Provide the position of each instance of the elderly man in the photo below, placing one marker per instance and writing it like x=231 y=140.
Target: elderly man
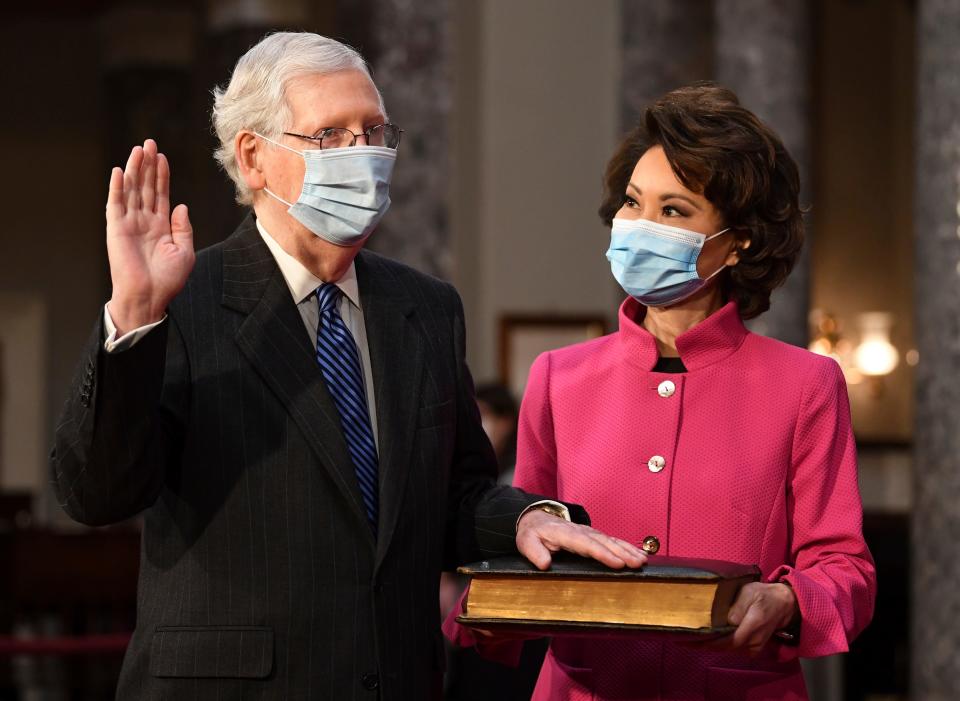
x=291 y=413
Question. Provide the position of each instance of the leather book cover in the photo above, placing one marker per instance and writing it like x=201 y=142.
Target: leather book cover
x=580 y=596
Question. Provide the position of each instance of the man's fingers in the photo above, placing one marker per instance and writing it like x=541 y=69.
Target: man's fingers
x=532 y=548
x=589 y=546
x=131 y=178
x=115 y=208
x=163 y=186
x=628 y=552
x=181 y=230
x=585 y=541
x=148 y=189
x=624 y=551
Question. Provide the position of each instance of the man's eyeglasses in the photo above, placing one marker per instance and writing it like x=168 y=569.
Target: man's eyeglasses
x=337 y=137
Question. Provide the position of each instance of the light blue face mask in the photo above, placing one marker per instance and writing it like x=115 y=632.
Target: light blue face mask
x=346 y=191
x=656 y=263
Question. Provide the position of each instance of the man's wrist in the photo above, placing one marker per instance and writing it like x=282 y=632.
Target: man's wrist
x=115 y=343
x=129 y=315
x=554 y=508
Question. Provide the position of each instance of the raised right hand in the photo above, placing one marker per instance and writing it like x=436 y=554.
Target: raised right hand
x=150 y=251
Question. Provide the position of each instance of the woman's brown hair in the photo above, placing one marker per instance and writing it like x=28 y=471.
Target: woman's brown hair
x=721 y=150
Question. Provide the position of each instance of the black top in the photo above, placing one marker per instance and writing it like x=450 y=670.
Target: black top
x=673 y=365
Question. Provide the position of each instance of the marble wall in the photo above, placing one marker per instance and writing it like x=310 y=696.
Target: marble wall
x=411 y=60
x=763 y=54
x=936 y=515
x=665 y=45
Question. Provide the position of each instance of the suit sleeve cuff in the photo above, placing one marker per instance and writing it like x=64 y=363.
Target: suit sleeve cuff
x=548 y=505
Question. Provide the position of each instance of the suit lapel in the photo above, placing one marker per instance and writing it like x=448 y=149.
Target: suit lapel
x=272 y=338
x=396 y=359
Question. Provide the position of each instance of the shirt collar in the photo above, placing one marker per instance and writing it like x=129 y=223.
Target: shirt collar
x=301 y=282
x=712 y=340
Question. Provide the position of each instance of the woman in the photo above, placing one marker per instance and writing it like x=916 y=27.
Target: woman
x=691 y=435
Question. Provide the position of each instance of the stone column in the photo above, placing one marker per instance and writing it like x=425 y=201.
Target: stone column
x=665 y=45
x=762 y=54
x=230 y=28
x=410 y=52
x=935 y=648
x=146 y=56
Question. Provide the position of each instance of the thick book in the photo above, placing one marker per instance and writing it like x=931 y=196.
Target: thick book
x=579 y=595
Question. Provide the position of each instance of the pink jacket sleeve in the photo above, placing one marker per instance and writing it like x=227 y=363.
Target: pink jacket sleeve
x=832 y=571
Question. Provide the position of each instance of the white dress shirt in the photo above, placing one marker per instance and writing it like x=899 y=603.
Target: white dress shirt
x=302 y=285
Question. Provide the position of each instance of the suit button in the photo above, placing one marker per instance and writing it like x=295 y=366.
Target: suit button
x=666 y=389
x=370 y=681
x=656 y=463
x=651 y=544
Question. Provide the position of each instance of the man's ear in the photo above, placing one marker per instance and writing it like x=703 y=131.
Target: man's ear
x=246 y=147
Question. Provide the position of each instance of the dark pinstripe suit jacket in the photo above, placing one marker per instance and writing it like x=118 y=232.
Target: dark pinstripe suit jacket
x=260 y=577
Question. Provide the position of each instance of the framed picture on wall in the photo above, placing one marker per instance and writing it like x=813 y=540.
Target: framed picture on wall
x=525 y=336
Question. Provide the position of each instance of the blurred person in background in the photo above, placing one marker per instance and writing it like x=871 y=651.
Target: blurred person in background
x=498 y=414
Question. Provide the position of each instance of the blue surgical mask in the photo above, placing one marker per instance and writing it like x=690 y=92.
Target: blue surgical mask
x=656 y=263
x=346 y=191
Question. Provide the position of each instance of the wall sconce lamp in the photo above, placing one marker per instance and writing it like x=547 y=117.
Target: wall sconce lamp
x=875 y=356
x=872 y=358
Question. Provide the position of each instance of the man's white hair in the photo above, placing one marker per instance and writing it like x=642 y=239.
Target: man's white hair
x=255 y=98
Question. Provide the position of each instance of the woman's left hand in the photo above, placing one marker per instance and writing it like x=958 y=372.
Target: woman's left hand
x=758 y=612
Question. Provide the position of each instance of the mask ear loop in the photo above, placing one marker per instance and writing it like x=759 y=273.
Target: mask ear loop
x=710 y=238
x=723 y=265
x=277 y=143
x=715 y=273
x=276 y=197
x=292 y=150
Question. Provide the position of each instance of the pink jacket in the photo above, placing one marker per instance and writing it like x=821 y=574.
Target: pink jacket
x=749 y=456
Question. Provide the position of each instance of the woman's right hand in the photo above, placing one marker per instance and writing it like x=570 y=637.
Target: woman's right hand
x=150 y=251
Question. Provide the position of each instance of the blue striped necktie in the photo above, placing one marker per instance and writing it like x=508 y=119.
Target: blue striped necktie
x=340 y=364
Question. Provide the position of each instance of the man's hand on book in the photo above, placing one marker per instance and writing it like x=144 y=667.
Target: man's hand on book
x=759 y=611
x=540 y=534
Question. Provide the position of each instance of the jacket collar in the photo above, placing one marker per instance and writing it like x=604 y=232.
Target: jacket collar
x=710 y=341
